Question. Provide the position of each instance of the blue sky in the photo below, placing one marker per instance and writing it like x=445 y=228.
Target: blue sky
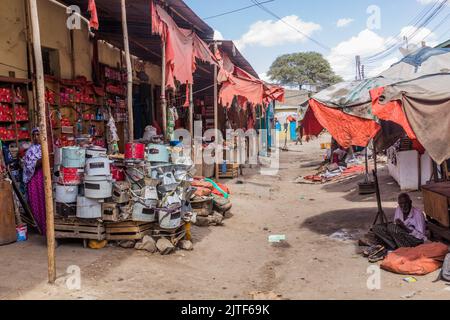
x=261 y=38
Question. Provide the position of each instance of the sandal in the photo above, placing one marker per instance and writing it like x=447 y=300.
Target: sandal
x=378 y=256
x=372 y=250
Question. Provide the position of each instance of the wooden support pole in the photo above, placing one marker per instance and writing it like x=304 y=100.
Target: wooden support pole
x=163 y=89
x=40 y=85
x=216 y=114
x=126 y=45
x=191 y=110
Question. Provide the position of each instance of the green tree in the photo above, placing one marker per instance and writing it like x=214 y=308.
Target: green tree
x=303 y=68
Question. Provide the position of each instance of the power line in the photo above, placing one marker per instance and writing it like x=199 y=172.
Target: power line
x=259 y=4
x=236 y=10
x=394 y=40
x=422 y=22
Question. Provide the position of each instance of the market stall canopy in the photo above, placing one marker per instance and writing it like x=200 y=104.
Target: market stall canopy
x=352 y=100
x=183 y=48
x=422 y=108
x=237 y=82
x=142 y=43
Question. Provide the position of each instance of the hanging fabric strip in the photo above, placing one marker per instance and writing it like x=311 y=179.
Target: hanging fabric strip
x=92 y=9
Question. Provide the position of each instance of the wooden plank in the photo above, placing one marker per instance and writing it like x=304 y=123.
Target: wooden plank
x=80 y=229
x=436 y=206
x=63 y=235
x=127 y=236
x=438 y=230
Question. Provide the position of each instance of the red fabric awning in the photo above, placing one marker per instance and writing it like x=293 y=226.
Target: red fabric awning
x=311 y=127
x=92 y=9
x=391 y=111
x=346 y=129
x=183 y=47
x=237 y=82
x=246 y=90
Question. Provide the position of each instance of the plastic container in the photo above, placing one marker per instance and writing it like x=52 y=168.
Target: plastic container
x=88 y=208
x=22 y=232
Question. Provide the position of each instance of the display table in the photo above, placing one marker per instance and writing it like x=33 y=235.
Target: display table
x=437 y=202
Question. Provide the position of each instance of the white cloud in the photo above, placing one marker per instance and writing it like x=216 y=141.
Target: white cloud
x=264 y=77
x=218 y=35
x=344 y=22
x=368 y=43
x=271 y=33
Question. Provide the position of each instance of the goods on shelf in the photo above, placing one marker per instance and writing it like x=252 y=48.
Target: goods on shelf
x=21 y=113
x=6 y=112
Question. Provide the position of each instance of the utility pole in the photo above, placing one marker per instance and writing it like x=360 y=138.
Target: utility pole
x=358 y=68
x=40 y=88
x=129 y=72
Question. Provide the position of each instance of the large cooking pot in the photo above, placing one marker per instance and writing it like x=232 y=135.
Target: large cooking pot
x=73 y=157
x=134 y=151
x=98 y=167
x=157 y=153
x=98 y=187
x=66 y=194
x=88 y=208
x=96 y=152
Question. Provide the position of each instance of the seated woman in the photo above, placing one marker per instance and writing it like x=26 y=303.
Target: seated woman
x=408 y=229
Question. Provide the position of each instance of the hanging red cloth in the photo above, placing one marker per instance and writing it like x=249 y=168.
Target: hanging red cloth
x=311 y=127
x=183 y=47
x=391 y=111
x=187 y=101
x=346 y=129
x=92 y=9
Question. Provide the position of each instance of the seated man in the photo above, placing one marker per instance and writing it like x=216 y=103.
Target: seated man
x=408 y=229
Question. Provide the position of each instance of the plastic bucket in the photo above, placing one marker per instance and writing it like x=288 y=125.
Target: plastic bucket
x=22 y=232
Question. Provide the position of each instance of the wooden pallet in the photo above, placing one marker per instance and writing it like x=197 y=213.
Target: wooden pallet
x=74 y=228
x=173 y=235
x=232 y=171
x=128 y=230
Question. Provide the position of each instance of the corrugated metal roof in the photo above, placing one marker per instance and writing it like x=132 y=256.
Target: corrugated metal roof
x=446 y=44
x=236 y=57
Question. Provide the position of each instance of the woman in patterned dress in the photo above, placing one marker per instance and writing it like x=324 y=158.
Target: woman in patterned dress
x=33 y=177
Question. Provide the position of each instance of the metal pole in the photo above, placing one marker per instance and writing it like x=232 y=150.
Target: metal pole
x=163 y=88
x=126 y=45
x=216 y=116
x=44 y=143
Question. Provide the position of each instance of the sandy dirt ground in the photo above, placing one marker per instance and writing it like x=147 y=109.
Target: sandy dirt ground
x=232 y=261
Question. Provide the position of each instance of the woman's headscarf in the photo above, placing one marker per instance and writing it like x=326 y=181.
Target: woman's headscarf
x=34 y=153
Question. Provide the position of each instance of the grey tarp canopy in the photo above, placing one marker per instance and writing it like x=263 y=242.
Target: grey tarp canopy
x=426 y=103
x=354 y=97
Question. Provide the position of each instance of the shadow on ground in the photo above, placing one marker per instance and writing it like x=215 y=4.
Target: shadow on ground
x=355 y=219
x=389 y=189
